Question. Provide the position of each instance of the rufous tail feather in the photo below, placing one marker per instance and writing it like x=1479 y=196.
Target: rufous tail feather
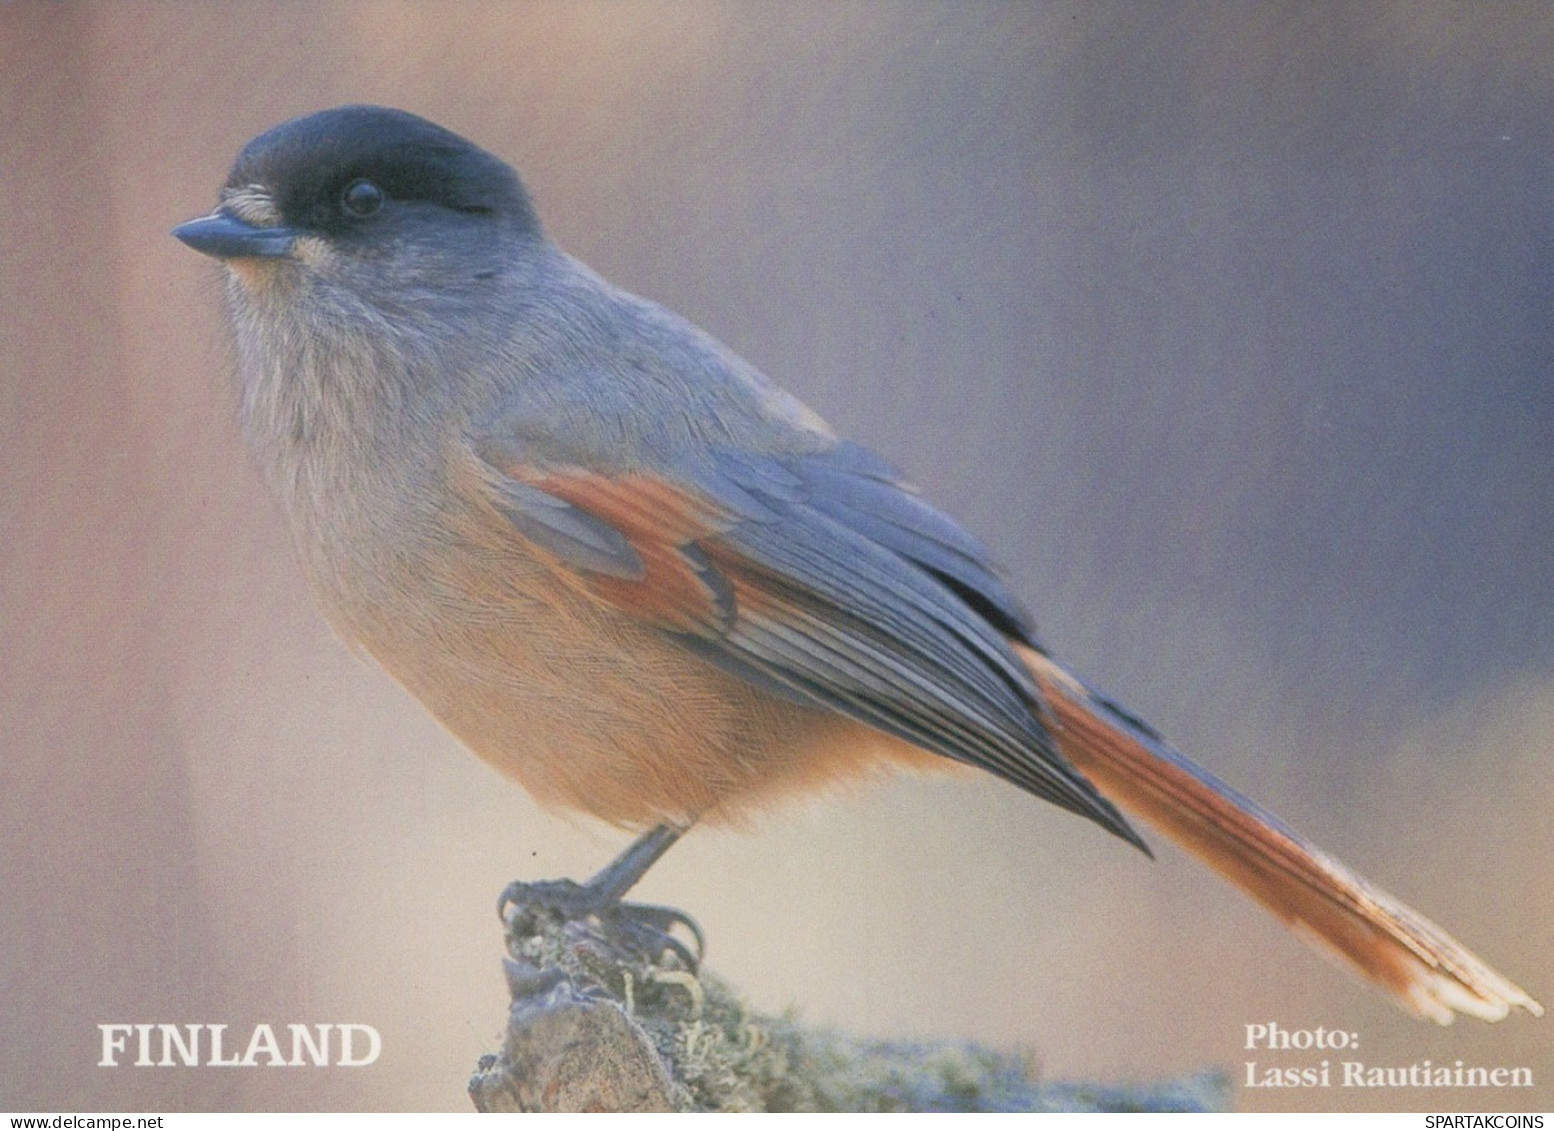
x=1429 y=973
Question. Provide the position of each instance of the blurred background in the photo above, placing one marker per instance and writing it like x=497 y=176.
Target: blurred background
x=1226 y=325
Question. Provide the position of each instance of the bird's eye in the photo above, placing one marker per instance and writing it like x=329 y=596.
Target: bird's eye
x=362 y=198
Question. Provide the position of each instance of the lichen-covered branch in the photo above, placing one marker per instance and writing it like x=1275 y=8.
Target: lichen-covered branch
x=596 y=1026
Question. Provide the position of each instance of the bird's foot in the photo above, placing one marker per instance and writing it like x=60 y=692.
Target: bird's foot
x=646 y=930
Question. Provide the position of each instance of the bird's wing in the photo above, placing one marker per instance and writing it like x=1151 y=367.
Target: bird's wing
x=820 y=576
x=824 y=578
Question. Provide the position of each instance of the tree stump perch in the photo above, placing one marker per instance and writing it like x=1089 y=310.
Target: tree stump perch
x=594 y=1026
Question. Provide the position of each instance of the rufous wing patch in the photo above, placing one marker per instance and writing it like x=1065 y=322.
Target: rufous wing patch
x=666 y=524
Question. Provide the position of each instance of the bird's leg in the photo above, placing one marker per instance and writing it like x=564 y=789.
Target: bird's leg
x=647 y=926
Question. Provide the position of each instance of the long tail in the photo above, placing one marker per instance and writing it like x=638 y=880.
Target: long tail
x=1430 y=973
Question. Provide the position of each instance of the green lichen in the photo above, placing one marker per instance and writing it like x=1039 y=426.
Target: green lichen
x=723 y=1056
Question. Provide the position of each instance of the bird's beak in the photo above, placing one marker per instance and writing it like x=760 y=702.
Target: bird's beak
x=224 y=236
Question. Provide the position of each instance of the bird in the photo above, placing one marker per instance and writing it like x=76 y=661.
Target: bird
x=627 y=569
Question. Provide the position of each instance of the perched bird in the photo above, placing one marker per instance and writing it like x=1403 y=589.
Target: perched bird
x=624 y=567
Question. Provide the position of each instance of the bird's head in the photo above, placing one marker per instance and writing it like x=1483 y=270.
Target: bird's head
x=368 y=204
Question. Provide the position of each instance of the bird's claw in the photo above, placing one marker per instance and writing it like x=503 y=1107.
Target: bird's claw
x=644 y=928
x=567 y=899
x=650 y=928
